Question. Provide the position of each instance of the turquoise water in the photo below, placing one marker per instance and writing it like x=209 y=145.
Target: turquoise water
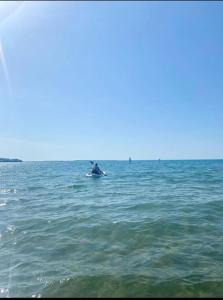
x=149 y=228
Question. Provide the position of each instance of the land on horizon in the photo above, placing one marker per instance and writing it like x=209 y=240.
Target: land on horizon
x=10 y=160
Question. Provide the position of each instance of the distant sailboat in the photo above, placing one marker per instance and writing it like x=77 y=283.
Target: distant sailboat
x=130 y=159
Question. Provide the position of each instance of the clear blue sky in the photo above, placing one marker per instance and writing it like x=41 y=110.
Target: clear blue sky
x=109 y=80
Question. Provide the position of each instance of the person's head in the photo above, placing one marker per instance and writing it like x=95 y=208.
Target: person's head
x=96 y=164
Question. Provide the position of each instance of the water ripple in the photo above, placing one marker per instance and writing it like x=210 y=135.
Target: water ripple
x=147 y=229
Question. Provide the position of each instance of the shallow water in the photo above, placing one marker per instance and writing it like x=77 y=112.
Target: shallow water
x=149 y=228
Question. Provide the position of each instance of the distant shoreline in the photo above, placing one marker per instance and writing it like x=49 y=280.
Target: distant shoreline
x=10 y=160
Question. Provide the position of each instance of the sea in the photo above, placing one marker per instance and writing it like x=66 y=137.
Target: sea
x=147 y=229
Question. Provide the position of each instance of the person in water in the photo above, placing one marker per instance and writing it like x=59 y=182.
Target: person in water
x=96 y=169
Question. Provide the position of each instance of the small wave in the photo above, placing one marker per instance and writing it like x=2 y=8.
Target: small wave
x=7 y=191
x=36 y=296
x=76 y=186
x=11 y=228
x=33 y=188
x=142 y=206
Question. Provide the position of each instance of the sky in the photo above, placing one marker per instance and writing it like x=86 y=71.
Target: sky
x=107 y=80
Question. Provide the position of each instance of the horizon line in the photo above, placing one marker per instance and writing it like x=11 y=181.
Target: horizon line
x=174 y=159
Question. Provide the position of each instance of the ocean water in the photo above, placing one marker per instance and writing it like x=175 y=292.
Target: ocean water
x=148 y=229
